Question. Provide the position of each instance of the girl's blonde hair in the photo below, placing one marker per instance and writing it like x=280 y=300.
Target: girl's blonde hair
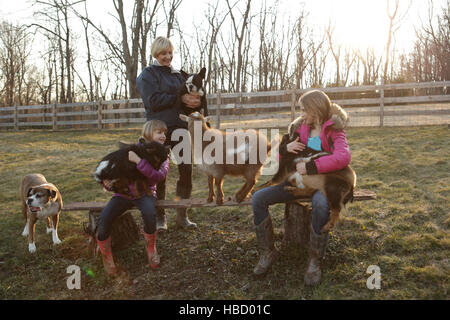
x=159 y=45
x=150 y=126
x=319 y=105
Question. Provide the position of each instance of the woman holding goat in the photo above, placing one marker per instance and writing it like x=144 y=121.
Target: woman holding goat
x=158 y=85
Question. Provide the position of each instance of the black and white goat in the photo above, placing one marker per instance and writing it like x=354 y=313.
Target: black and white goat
x=116 y=167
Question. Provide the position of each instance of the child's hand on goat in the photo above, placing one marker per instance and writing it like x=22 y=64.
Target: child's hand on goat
x=133 y=157
x=295 y=146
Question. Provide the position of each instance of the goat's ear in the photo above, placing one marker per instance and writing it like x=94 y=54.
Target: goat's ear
x=184 y=117
x=142 y=140
x=184 y=74
x=167 y=149
x=208 y=119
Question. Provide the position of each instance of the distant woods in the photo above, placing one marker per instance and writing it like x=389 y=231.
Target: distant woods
x=246 y=45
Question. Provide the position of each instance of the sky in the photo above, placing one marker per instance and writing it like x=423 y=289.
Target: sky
x=357 y=23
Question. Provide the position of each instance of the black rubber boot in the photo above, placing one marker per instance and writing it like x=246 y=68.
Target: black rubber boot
x=268 y=252
x=317 y=248
x=184 y=192
x=161 y=221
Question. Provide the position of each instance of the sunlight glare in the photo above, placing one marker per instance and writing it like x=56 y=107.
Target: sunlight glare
x=360 y=24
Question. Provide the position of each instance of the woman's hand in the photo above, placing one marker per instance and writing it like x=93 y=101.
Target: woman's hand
x=133 y=157
x=301 y=168
x=295 y=146
x=191 y=100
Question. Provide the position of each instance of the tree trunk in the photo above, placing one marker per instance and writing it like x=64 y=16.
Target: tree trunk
x=297 y=224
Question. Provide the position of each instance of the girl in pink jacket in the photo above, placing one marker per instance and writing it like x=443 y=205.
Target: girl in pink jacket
x=153 y=130
x=320 y=127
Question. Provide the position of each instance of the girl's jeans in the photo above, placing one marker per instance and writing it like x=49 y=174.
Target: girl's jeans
x=263 y=198
x=118 y=205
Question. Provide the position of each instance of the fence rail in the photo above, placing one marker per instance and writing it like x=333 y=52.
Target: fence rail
x=375 y=105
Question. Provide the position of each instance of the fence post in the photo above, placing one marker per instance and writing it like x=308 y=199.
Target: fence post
x=99 y=112
x=382 y=103
x=219 y=103
x=16 y=117
x=293 y=102
x=127 y=106
x=240 y=108
x=54 y=118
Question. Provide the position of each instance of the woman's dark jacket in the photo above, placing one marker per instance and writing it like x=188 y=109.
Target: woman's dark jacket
x=158 y=87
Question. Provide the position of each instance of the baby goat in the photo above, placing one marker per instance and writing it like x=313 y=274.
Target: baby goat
x=336 y=186
x=244 y=158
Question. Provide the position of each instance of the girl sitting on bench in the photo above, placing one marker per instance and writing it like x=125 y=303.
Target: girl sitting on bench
x=154 y=130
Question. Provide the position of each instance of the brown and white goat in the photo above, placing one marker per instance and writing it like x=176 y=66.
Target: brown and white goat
x=336 y=186
x=244 y=158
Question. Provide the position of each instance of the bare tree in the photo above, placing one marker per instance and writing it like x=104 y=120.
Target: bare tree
x=131 y=56
x=45 y=81
x=395 y=21
x=317 y=63
x=311 y=53
x=371 y=64
x=215 y=22
x=123 y=52
x=56 y=12
x=349 y=59
x=335 y=51
x=149 y=26
x=90 y=91
x=170 y=15
x=15 y=46
x=437 y=40
x=239 y=33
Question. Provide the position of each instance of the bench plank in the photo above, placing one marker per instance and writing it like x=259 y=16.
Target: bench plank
x=359 y=195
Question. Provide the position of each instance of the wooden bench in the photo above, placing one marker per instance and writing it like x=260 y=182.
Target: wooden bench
x=125 y=231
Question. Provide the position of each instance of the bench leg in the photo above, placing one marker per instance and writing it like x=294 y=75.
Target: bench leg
x=124 y=231
x=297 y=224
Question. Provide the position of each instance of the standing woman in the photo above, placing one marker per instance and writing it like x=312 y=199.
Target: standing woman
x=320 y=127
x=158 y=85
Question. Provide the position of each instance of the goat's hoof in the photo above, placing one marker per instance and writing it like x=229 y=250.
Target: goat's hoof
x=209 y=200
x=219 y=201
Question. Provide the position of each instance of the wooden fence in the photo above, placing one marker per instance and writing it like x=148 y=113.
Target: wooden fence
x=375 y=105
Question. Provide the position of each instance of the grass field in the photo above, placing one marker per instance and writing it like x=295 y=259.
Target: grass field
x=404 y=231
